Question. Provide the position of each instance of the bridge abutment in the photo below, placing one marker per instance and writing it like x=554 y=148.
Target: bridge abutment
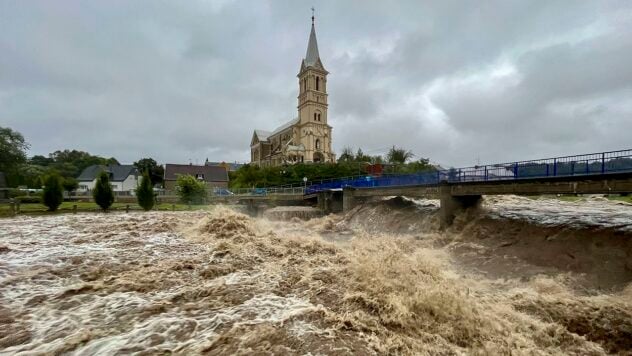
x=452 y=205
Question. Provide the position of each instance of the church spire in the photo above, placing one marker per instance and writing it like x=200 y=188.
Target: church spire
x=312 y=57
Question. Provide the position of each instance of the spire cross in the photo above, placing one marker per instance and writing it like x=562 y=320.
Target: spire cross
x=312 y=15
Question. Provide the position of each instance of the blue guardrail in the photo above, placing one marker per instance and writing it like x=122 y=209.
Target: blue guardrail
x=587 y=164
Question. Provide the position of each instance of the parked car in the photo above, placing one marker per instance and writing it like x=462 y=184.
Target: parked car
x=259 y=191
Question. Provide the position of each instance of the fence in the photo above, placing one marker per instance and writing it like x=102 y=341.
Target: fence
x=588 y=164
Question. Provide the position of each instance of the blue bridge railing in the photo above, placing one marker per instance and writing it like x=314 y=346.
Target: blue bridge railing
x=587 y=164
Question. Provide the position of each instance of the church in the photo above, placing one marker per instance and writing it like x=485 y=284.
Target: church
x=306 y=138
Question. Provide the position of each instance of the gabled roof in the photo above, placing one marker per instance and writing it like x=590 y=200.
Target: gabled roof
x=262 y=135
x=285 y=126
x=210 y=173
x=118 y=172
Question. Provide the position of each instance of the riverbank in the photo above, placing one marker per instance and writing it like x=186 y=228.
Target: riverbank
x=68 y=207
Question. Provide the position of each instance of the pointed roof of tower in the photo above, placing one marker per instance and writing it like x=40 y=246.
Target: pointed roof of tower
x=312 y=58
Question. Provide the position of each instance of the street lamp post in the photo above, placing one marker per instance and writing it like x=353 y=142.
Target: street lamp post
x=305 y=181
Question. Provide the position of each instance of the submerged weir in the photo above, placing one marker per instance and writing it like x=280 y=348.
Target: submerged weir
x=519 y=275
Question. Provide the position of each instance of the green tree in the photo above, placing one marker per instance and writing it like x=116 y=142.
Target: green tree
x=190 y=190
x=346 y=155
x=145 y=193
x=102 y=193
x=156 y=171
x=13 y=149
x=398 y=155
x=361 y=157
x=70 y=163
x=70 y=184
x=53 y=194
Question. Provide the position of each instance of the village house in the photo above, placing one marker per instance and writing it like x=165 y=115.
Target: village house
x=213 y=176
x=123 y=177
x=306 y=138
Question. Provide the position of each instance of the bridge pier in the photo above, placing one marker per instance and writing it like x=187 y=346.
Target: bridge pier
x=451 y=205
x=330 y=201
x=349 y=201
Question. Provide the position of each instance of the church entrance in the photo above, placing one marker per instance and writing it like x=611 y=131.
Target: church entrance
x=318 y=157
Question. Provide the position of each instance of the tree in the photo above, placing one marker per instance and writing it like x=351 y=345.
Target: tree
x=361 y=157
x=70 y=163
x=102 y=193
x=156 y=171
x=398 y=155
x=13 y=149
x=53 y=194
x=145 y=193
x=190 y=190
x=70 y=184
x=346 y=155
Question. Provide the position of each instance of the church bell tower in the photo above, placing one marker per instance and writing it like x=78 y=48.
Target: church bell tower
x=312 y=104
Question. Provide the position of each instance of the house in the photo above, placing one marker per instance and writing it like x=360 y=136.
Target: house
x=213 y=176
x=307 y=137
x=123 y=177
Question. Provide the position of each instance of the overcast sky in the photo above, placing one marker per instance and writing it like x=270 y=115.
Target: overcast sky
x=457 y=82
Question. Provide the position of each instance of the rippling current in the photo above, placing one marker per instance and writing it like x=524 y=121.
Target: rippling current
x=520 y=275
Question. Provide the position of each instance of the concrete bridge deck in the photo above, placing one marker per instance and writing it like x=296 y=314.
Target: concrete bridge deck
x=458 y=196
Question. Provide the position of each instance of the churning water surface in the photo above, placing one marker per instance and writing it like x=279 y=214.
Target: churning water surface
x=381 y=279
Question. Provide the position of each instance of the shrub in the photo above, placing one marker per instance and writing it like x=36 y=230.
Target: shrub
x=53 y=194
x=145 y=193
x=15 y=193
x=70 y=184
x=191 y=190
x=102 y=193
x=29 y=199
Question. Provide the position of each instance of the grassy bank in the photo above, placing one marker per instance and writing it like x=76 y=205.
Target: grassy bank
x=67 y=207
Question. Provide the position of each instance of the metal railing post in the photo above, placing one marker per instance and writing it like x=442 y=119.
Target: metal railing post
x=603 y=163
x=555 y=167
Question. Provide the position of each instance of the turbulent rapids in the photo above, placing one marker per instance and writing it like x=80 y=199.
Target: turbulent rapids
x=518 y=276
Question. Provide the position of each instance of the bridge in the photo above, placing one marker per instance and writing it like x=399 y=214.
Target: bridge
x=460 y=188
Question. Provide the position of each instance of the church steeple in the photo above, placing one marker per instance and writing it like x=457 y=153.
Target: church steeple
x=312 y=58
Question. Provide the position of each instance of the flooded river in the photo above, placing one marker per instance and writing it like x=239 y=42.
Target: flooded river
x=519 y=276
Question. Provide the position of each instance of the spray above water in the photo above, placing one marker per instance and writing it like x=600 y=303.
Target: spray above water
x=381 y=279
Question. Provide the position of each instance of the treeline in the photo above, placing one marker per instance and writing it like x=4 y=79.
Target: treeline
x=397 y=160
x=67 y=164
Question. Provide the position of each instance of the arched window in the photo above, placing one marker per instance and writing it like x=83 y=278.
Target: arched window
x=315 y=117
x=317 y=144
x=318 y=117
x=317 y=82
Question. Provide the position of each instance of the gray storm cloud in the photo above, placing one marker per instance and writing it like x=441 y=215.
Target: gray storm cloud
x=493 y=81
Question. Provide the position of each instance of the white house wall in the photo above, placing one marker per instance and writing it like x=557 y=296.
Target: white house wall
x=129 y=184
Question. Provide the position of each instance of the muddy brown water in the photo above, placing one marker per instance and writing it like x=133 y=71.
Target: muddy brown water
x=519 y=276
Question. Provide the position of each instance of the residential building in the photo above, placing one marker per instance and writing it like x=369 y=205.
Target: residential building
x=123 y=177
x=213 y=176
